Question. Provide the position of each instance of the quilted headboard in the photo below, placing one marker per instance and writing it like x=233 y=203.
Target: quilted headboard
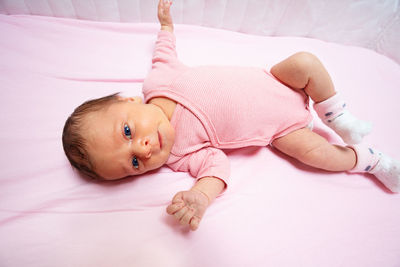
x=368 y=23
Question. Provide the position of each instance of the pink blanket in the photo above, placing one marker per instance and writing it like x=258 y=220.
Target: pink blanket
x=277 y=212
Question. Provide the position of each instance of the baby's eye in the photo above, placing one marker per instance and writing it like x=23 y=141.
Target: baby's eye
x=127 y=131
x=135 y=163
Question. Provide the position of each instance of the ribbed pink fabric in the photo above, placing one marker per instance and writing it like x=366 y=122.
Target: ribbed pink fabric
x=219 y=108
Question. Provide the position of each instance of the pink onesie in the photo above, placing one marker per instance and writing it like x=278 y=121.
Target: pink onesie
x=220 y=107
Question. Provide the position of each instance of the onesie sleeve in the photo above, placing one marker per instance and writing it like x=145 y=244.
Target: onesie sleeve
x=165 y=65
x=204 y=162
x=165 y=49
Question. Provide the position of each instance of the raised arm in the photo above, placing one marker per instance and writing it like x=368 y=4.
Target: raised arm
x=164 y=16
x=164 y=51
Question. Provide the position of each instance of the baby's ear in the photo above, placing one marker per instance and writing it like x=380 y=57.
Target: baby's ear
x=136 y=99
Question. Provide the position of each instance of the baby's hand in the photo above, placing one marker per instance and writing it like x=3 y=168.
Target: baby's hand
x=188 y=207
x=164 y=16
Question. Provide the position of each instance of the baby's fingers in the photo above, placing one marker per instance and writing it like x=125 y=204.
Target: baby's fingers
x=187 y=217
x=174 y=207
x=194 y=223
x=164 y=5
x=180 y=213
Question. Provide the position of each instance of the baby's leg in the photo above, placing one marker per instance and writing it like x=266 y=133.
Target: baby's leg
x=313 y=150
x=303 y=71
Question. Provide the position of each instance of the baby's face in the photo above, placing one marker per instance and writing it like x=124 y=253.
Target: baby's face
x=128 y=138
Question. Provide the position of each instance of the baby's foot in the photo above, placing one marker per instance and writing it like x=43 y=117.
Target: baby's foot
x=348 y=127
x=385 y=169
x=334 y=114
x=388 y=172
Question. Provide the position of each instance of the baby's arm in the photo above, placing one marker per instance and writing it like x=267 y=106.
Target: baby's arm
x=188 y=207
x=164 y=54
x=164 y=16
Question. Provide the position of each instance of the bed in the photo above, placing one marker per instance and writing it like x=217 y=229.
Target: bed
x=276 y=211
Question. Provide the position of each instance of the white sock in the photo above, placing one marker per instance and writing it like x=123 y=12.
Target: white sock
x=388 y=172
x=334 y=114
x=385 y=169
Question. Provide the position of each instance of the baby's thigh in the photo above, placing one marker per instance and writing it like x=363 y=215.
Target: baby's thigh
x=299 y=142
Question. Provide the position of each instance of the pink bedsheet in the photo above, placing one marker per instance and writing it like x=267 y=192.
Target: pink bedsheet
x=277 y=212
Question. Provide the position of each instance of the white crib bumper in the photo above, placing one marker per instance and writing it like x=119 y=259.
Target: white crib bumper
x=368 y=23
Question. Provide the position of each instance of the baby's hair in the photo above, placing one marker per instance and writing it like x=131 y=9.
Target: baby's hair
x=74 y=142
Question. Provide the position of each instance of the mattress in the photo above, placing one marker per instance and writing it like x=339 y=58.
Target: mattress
x=276 y=212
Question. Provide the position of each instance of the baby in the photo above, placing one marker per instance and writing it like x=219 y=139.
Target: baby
x=189 y=115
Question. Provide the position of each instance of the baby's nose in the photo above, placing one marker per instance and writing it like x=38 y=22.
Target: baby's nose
x=144 y=148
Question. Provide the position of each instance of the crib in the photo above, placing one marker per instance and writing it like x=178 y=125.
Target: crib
x=276 y=211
